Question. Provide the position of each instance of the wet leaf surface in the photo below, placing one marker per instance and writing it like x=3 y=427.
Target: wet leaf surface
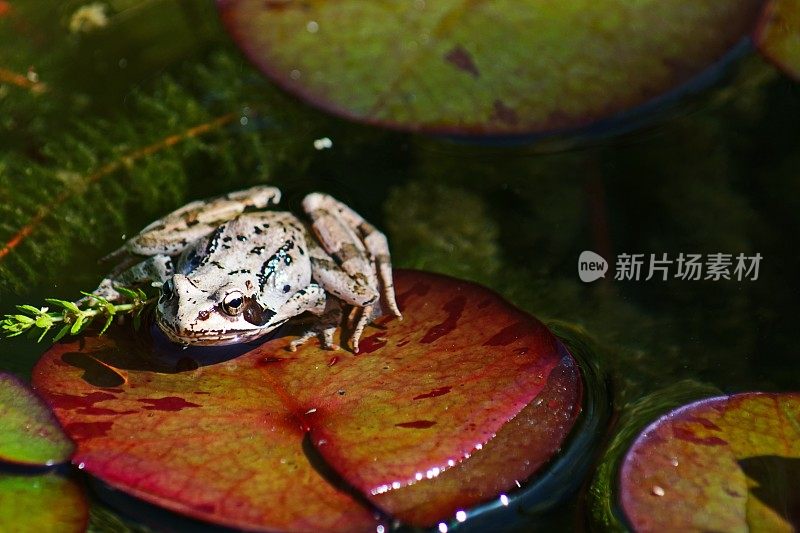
x=724 y=464
x=778 y=35
x=496 y=67
x=41 y=504
x=503 y=464
x=29 y=433
x=322 y=440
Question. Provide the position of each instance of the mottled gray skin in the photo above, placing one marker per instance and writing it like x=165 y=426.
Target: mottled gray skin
x=231 y=271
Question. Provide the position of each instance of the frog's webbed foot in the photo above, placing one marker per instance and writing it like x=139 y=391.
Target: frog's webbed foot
x=358 y=320
x=325 y=337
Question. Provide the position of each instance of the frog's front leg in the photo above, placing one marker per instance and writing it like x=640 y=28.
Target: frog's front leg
x=157 y=268
x=327 y=311
x=323 y=327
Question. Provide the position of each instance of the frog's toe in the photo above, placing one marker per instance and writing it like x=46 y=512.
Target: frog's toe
x=301 y=340
x=326 y=338
x=362 y=317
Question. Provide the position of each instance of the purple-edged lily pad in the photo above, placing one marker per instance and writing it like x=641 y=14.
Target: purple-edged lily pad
x=487 y=67
x=729 y=463
x=29 y=433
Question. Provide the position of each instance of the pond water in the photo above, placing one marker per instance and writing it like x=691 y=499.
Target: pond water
x=87 y=157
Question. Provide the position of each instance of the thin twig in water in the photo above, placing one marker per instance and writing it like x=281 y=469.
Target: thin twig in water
x=126 y=160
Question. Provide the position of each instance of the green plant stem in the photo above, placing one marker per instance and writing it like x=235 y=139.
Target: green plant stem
x=74 y=318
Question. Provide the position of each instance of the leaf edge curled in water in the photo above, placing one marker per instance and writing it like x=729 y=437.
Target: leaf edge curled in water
x=31 y=434
x=627 y=425
x=535 y=501
x=463 y=488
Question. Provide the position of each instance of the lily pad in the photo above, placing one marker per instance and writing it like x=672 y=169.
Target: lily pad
x=41 y=504
x=326 y=440
x=490 y=67
x=778 y=35
x=29 y=433
x=729 y=463
x=516 y=453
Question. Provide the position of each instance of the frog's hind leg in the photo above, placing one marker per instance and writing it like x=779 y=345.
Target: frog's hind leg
x=173 y=233
x=356 y=245
x=355 y=291
x=352 y=290
x=257 y=197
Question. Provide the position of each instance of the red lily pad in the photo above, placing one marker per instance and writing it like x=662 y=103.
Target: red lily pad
x=37 y=503
x=514 y=455
x=29 y=433
x=491 y=67
x=729 y=463
x=240 y=442
x=778 y=35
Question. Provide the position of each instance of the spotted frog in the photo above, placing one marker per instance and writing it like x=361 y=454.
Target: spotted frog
x=231 y=270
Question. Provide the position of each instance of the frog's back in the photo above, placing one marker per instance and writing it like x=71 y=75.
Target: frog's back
x=262 y=253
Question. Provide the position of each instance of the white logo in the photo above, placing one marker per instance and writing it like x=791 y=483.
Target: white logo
x=591 y=266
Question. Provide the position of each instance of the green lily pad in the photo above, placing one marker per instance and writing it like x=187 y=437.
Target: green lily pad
x=29 y=433
x=467 y=397
x=488 y=67
x=730 y=463
x=778 y=35
x=41 y=504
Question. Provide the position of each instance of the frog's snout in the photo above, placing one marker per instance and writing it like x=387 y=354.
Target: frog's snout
x=177 y=293
x=182 y=290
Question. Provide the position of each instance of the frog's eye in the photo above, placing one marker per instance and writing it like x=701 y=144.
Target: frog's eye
x=233 y=303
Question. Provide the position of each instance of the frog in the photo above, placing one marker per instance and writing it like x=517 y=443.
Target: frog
x=233 y=269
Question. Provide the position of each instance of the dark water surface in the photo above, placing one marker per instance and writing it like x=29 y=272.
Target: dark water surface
x=720 y=174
